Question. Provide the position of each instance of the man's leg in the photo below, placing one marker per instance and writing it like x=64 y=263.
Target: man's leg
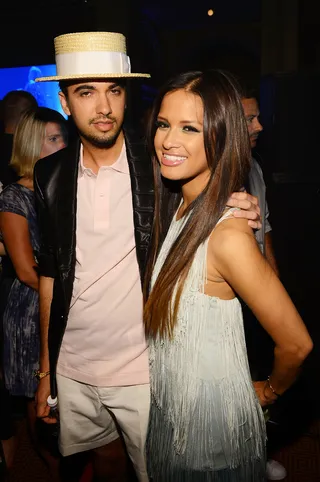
x=130 y=406
x=86 y=426
x=111 y=463
x=72 y=467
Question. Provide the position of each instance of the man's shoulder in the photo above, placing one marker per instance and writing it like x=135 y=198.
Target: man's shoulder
x=133 y=135
x=255 y=164
x=256 y=170
x=138 y=154
x=136 y=145
x=47 y=164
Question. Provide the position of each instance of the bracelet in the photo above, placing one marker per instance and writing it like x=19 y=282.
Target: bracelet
x=271 y=387
x=39 y=375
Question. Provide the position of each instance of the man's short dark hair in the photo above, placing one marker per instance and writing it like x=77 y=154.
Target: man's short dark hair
x=248 y=91
x=15 y=103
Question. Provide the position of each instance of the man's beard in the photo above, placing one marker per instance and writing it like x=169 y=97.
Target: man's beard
x=253 y=140
x=100 y=142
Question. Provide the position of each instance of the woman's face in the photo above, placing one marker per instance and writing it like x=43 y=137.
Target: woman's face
x=53 y=140
x=179 y=140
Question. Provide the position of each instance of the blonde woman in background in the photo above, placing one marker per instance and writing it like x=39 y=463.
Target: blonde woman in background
x=38 y=134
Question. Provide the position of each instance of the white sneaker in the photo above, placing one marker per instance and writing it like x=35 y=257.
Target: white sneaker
x=275 y=471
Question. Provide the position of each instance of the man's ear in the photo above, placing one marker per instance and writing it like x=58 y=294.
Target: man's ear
x=64 y=103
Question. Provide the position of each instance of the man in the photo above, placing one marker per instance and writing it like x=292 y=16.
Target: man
x=13 y=105
x=95 y=204
x=256 y=181
x=260 y=349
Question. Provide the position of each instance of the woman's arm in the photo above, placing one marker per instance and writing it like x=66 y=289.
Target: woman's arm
x=241 y=264
x=16 y=237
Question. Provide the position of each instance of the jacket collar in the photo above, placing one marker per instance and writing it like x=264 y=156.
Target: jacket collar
x=67 y=202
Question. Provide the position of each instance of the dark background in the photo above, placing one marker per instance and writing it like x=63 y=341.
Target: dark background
x=273 y=44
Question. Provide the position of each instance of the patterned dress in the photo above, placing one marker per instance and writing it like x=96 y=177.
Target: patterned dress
x=206 y=423
x=21 y=307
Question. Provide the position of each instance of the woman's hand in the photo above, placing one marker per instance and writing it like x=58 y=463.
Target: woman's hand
x=265 y=395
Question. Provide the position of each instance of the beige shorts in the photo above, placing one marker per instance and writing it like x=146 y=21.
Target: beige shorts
x=86 y=418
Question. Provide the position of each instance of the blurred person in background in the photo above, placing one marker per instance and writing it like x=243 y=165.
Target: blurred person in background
x=13 y=105
x=40 y=132
x=259 y=343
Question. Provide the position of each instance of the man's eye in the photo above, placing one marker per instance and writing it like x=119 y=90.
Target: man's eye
x=53 y=138
x=85 y=94
x=116 y=91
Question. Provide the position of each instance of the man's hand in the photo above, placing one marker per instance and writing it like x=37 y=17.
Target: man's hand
x=249 y=208
x=42 y=394
x=265 y=395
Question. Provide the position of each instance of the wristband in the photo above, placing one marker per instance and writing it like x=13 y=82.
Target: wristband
x=39 y=375
x=271 y=387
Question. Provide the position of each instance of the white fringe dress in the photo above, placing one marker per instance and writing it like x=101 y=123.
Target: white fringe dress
x=206 y=423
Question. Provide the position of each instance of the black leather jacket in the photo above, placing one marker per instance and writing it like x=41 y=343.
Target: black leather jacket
x=55 y=184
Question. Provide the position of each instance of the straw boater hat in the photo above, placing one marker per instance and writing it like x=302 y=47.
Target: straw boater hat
x=91 y=55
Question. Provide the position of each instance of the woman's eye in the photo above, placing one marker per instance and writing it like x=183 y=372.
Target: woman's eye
x=161 y=125
x=190 y=129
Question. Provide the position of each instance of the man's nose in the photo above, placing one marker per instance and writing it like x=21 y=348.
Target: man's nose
x=104 y=106
x=257 y=126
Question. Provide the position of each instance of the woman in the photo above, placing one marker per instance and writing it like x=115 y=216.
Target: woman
x=206 y=419
x=38 y=134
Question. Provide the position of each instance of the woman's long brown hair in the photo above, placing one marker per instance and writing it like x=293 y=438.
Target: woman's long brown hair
x=228 y=155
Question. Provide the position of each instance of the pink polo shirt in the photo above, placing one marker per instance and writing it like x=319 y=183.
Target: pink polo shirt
x=104 y=342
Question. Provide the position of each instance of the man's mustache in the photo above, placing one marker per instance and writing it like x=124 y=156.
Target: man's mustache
x=101 y=119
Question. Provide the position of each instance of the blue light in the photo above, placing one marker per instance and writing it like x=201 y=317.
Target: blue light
x=23 y=78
